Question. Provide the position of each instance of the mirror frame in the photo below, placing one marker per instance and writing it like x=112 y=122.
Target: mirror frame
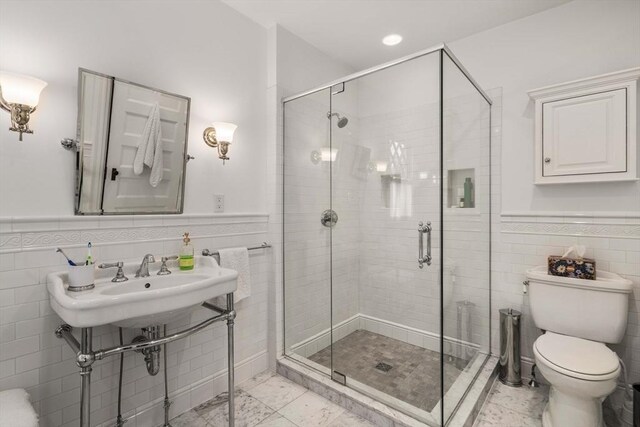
x=78 y=165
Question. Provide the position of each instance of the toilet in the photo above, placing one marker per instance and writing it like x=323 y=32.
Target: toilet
x=578 y=317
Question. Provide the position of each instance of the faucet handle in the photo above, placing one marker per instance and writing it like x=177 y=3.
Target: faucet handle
x=164 y=270
x=120 y=277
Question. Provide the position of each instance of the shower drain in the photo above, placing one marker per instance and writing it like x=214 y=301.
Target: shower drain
x=384 y=367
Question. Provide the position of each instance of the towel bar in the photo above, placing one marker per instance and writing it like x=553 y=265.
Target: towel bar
x=207 y=252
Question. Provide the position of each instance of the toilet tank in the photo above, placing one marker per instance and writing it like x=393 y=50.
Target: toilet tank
x=591 y=309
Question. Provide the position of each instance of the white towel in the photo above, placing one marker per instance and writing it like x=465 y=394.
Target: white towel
x=16 y=410
x=237 y=259
x=150 y=151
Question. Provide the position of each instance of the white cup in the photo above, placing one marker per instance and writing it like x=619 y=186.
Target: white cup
x=81 y=277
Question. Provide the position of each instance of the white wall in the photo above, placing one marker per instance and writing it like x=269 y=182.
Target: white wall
x=575 y=40
x=204 y=50
x=579 y=39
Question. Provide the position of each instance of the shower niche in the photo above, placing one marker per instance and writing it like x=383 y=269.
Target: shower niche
x=461 y=191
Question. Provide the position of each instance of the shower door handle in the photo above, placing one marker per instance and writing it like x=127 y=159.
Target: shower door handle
x=424 y=229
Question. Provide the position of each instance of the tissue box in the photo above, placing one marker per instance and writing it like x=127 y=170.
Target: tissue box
x=577 y=268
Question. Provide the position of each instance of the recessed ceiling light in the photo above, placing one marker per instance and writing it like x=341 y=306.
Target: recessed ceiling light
x=392 y=39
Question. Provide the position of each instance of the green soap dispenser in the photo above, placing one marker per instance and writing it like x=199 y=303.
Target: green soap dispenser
x=186 y=254
x=468 y=193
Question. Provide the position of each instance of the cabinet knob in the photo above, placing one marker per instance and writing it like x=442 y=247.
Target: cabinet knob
x=547 y=159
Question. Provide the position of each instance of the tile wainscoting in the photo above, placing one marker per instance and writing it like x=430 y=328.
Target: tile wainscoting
x=31 y=357
x=524 y=239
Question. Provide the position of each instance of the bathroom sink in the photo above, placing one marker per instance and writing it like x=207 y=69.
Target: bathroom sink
x=140 y=302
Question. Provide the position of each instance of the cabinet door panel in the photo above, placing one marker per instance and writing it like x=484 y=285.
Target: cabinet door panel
x=585 y=134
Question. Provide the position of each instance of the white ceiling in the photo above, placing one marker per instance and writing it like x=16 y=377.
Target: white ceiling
x=352 y=30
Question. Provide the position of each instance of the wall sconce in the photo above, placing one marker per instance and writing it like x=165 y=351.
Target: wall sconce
x=19 y=95
x=220 y=135
x=325 y=155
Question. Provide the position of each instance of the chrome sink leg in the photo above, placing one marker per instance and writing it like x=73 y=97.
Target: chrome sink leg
x=167 y=403
x=86 y=335
x=119 y=420
x=230 y=322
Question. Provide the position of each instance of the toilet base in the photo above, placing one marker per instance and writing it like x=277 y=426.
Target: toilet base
x=566 y=410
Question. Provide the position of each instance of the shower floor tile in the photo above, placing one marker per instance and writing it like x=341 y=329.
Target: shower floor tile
x=401 y=370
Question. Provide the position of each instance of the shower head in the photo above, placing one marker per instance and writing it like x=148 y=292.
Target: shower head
x=342 y=121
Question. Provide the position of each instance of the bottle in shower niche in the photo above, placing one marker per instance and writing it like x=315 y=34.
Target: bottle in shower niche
x=461 y=197
x=468 y=193
x=186 y=254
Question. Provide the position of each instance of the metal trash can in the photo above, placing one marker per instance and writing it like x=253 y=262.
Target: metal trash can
x=636 y=405
x=510 y=372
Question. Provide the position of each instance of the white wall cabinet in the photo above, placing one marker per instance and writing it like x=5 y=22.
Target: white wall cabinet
x=585 y=130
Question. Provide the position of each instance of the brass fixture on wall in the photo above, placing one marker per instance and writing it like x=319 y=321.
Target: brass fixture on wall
x=19 y=95
x=220 y=135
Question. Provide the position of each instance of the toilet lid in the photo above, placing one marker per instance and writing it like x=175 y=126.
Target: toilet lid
x=577 y=355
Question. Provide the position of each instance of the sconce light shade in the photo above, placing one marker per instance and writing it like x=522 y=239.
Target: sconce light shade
x=225 y=131
x=19 y=95
x=220 y=135
x=19 y=89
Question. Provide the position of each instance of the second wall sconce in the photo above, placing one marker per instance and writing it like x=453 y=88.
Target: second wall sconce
x=19 y=95
x=220 y=135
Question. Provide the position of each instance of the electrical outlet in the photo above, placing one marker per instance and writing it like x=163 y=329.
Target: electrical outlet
x=218 y=202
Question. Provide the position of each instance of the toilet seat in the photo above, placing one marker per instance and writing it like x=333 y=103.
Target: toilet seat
x=576 y=357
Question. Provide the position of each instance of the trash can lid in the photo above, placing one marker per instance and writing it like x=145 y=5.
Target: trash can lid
x=510 y=312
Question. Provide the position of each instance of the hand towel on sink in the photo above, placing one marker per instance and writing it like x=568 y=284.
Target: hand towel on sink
x=237 y=259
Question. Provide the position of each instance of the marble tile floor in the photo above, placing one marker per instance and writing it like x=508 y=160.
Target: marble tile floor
x=513 y=406
x=270 y=400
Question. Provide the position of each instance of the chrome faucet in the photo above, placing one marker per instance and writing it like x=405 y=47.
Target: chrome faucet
x=143 y=270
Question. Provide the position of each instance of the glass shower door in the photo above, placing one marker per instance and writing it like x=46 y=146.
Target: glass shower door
x=385 y=189
x=307 y=243
x=466 y=219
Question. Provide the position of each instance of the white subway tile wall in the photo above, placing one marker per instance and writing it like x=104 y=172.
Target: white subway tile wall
x=31 y=357
x=525 y=240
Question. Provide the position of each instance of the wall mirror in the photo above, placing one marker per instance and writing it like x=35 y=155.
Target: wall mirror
x=132 y=147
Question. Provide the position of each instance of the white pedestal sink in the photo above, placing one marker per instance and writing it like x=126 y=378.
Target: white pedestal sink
x=140 y=302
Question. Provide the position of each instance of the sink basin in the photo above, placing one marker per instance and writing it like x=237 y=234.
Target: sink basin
x=140 y=302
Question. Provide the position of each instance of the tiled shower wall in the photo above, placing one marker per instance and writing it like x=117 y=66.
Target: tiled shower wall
x=32 y=357
x=391 y=286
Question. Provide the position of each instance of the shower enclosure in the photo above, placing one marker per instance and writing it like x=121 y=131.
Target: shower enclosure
x=386 y=232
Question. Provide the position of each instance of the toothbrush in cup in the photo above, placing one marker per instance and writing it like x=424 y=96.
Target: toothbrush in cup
x=71 y=263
